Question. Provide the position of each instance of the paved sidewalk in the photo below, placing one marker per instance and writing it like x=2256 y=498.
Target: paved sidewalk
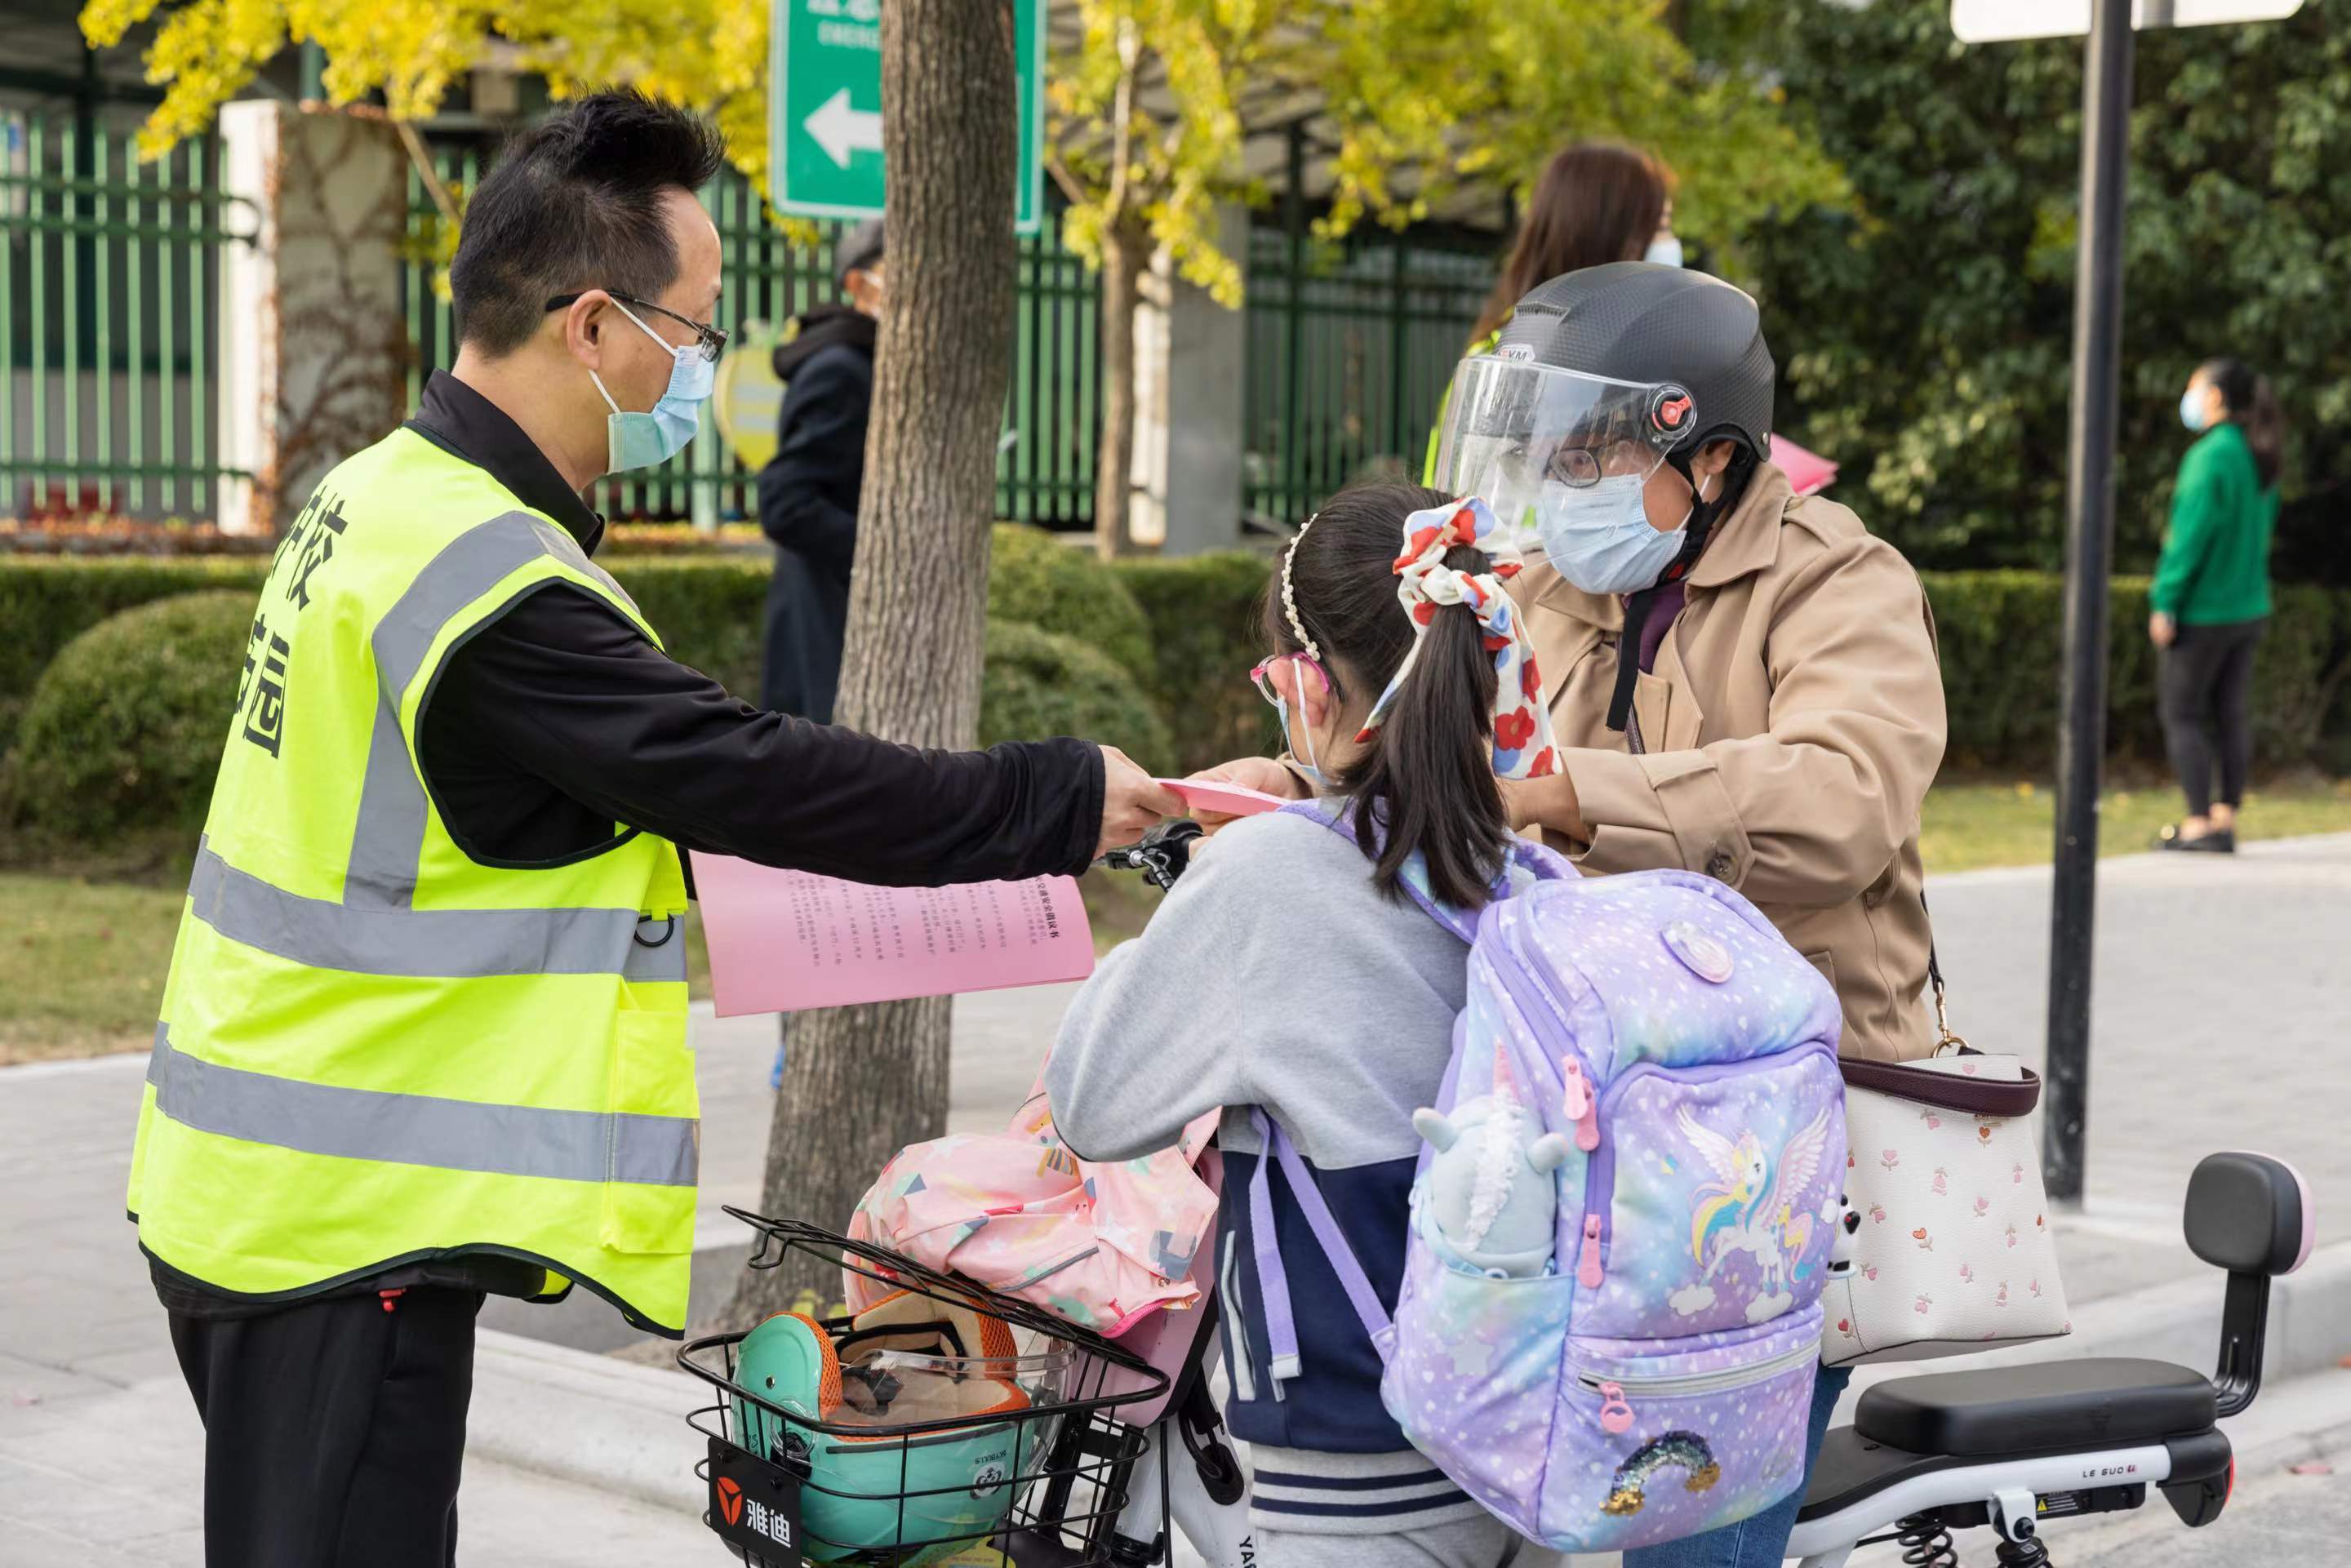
x=2219 y=990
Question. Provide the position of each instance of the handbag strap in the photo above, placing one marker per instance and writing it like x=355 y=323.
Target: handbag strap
x=1956 y=1093
x=1945 y=1041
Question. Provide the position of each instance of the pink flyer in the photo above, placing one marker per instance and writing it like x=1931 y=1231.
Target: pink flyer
x=786 y=941
x=1210 y=795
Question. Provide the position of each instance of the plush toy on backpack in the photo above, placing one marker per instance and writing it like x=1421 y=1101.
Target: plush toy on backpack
x=1493 y=1203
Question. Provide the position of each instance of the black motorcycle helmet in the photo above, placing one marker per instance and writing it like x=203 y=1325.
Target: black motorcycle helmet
x=1637 y=321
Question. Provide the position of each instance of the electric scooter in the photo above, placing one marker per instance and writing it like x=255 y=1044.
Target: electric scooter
x=2011 y=1448
x=2008 y=1448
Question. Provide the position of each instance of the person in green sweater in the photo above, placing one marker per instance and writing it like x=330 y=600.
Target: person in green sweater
x=2210 y=600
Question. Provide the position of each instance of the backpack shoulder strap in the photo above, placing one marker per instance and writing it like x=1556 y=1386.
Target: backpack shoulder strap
x=1529 y=863
x=1272 y=1279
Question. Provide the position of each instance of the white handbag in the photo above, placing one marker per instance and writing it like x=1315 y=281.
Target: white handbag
x=1949 y=1248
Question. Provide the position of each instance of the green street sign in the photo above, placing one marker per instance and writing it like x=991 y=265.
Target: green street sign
x=824 y=108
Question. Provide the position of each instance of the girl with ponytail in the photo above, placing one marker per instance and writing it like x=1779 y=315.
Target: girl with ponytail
x=1289 y=971
x=2210 y=599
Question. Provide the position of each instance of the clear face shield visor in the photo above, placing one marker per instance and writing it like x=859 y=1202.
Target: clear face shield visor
x=1514 y=429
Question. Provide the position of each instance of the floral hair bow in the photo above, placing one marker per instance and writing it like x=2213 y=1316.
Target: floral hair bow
x=1523 y=747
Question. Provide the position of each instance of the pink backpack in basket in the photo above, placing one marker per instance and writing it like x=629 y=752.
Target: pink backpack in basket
x=1120 y=1248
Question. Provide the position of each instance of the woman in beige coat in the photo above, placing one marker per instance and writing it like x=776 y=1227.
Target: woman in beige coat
x=1782 y=715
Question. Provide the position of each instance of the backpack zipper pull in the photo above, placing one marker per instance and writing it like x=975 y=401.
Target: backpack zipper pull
x=1583 y=1105
x=1587 y=1268
x=1615 y=1415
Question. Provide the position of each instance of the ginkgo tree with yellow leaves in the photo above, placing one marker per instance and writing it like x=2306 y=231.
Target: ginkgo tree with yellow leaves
x=1152 y=104
x=1407 y=99
x=711 y=54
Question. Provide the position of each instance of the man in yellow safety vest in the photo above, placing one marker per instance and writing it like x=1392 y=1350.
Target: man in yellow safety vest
x=424 y=1037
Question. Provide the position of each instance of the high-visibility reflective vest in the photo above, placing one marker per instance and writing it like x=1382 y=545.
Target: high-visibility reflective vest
x=1484 y=345
x=375 y=1049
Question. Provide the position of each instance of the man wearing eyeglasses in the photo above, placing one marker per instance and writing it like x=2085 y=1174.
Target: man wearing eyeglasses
x=424 y=1035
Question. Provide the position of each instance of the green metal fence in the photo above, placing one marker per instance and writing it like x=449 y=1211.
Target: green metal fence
x=1350 y=348
x=1045 y=470
x=108 y=272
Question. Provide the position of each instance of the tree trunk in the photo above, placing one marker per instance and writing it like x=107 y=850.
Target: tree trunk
x=1126 y=251
x=860 y=1083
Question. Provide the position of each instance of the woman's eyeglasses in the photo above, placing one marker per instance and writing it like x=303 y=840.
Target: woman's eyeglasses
x=709 y=338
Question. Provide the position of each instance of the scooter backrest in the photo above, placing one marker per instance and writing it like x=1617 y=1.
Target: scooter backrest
x=2250 y=1214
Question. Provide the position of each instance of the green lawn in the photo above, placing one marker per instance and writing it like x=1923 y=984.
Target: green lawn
x=81 y=966
x=1969 y=825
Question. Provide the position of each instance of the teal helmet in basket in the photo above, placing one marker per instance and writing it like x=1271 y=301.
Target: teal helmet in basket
x=909 y=1360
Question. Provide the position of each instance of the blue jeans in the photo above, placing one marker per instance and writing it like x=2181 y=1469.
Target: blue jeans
x=1761 y=1540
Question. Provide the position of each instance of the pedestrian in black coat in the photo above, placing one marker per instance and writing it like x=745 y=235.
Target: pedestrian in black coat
x=807 y=491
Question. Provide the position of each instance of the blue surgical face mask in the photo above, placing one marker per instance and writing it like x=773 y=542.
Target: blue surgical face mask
x=643 y=440
x=2192 y=409
x=1599 y=537
x=1666 y=250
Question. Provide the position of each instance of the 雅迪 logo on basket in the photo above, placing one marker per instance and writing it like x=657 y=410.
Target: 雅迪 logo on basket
x=730 y=1498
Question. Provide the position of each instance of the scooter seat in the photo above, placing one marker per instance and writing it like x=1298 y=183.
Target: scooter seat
x=2034 y=1408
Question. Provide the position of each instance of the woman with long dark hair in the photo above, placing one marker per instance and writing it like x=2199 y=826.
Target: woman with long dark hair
x=1597 y=202
x=2211 y=599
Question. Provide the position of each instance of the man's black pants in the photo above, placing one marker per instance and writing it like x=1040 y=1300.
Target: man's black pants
x=334 y=1430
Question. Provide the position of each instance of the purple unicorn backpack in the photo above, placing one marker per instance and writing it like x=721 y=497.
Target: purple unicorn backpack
x=1609 y=1322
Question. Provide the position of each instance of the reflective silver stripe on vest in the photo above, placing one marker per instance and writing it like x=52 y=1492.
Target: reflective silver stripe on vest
x=390 y=834
x=441 y=944
x=422 y=1129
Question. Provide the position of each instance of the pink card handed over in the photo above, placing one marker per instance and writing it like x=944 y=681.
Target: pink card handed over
x=785 y=941
x=1207 y=795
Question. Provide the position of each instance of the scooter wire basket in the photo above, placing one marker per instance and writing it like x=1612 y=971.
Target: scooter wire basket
x=889 y=1438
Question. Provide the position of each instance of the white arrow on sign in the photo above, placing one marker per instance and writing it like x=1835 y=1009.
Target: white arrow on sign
x=841 y=130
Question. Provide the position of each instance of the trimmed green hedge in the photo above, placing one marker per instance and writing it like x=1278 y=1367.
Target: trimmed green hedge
x=1203 y=614
x=1038 y=581
x=123 y=731
x=1197 y=636
x=2000 y=635
x=710 y=609
x=46 y=601
x=1039 y=683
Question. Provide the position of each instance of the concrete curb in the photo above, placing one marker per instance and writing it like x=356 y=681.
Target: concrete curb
x=589 y=1420
x=619 y=1426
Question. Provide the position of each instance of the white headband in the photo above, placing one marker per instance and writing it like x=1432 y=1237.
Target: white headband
x=1289 y=596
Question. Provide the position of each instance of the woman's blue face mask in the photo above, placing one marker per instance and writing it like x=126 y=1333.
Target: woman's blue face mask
x=1598 y=536
x=2192 y=409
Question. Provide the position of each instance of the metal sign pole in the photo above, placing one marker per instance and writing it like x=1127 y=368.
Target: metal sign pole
x=2089 y=533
